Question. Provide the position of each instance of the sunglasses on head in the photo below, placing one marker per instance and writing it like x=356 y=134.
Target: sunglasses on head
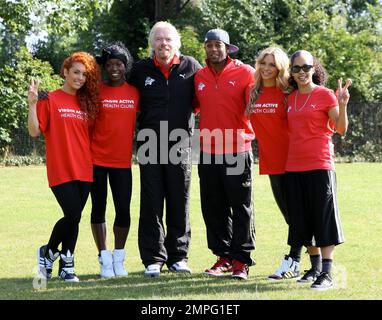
x=306 y=68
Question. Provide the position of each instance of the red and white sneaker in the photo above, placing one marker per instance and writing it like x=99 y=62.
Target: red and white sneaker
x=240 y=270
x=220 y=268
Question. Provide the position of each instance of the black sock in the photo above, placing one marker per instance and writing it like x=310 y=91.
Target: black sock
x=295 y=253
x=316 y=262
x=327 y=266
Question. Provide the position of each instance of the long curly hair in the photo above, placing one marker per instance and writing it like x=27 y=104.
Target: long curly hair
x=320 y=76
x=88 y=93
x=282 y=65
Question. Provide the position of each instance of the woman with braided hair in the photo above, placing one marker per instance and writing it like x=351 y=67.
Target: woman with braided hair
x=63 y=118
x=111 y=147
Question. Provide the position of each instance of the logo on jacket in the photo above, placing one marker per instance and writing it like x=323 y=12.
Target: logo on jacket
x=201 y=86
x=182 y=75
x=232 y=83
x=149 y=81
x=246 y=184
x=289 y=109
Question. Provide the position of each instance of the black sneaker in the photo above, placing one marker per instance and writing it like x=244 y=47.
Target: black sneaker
x=45 y=261
x=66 y=269
x=323 y=282
x=309 y=276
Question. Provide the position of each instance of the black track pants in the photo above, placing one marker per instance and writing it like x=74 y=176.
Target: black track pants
x=161 y=183
x=227 y=208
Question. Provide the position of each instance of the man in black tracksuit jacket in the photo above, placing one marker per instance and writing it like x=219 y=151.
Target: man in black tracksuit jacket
x=166 y=103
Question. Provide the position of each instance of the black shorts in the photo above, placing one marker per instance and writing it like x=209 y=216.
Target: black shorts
x=312 y=206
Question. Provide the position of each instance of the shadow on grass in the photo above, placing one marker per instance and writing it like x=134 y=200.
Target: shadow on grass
x=167 y=287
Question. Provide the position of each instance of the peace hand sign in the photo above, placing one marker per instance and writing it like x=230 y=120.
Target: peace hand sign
x=33 y=92
x=343 y=93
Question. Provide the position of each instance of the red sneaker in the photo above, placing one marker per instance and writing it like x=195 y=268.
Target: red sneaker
x=240 y=270
x=222 y=266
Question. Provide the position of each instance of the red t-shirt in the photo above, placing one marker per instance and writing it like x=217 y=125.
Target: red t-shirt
x=114 y=127
x=65 y=128
x=270 y=123
x=222 y=98
x=311 y=130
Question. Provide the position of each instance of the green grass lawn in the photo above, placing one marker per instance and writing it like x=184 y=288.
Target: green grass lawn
x=28 y=212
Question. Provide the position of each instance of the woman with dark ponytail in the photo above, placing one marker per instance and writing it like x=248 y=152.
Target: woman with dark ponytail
x=314 y=114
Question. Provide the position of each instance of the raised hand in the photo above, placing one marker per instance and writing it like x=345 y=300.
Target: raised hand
x=343 y=92
x=33 y=92
x=33 y=124
x=237 y=62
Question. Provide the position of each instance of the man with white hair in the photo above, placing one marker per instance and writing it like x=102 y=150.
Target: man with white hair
x=166 y=84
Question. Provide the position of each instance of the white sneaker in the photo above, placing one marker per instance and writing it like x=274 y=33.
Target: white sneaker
x=289 y=269
x=180 y=266
x=106 y=264
x=152 y=270
x=118 y=259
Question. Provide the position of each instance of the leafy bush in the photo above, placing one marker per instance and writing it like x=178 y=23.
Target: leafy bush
x=14 y=83
x=18 y=161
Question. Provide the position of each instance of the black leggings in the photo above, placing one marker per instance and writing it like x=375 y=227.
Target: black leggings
x=278 y=184
x=279 y=193
x=120 y=183
x=72 y=197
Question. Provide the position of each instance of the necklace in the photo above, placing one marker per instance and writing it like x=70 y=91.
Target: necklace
x=306 y=101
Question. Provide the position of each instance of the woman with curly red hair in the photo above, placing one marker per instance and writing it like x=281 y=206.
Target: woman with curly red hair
x=64 y=119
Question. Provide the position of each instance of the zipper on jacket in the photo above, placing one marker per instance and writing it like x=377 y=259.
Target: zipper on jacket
x=168 y=91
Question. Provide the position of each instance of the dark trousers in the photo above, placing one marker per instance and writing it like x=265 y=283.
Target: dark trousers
x=161 y=183
x=227 y=207
x=72 y=197
x=120 y=184
x=314 y=215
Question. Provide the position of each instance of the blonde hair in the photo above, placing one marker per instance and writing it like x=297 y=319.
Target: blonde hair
x=282 y=65
x=163 y=25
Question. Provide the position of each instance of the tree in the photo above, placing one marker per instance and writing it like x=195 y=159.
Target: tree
x=14 y=26
x=14 y=83
x=324 y=27
x=170 y=9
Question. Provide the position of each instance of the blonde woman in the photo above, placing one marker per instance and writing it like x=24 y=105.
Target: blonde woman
x=268 y=116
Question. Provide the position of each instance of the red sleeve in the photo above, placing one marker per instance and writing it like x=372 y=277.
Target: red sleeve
x=43 y=114
x=330 y=100
x=250 y=84
x=91 y=125
x=138 y=102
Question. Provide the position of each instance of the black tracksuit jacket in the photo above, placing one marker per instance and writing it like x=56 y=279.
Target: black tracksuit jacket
x=165 y=100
